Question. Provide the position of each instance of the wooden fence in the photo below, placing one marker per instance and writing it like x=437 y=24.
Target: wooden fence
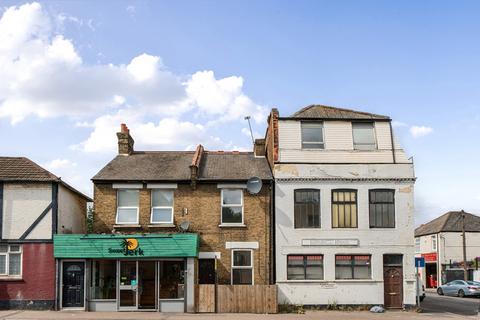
x=237 y=298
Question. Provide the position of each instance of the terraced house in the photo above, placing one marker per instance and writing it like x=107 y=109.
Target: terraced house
x=34 y=205
x=343 y=209
x=165 y=221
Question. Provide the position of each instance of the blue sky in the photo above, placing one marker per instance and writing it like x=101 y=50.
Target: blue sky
x=186 y=72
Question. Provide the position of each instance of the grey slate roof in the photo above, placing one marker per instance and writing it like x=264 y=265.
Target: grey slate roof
x=174 y=166
x=317 y=111
x=449 y=222
x=22 y=169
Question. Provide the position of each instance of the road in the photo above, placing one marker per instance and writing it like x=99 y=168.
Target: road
x=434 y=303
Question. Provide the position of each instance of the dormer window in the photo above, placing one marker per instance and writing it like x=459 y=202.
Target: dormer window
x=363 y=136
x=312 y=135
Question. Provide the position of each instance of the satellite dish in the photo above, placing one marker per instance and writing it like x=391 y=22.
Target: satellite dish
x=254 y=185
x=185 y=225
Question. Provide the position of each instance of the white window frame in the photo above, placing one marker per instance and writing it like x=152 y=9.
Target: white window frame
x=417 y=245
x=434 y=243
x=375 y=142
x=162 y=207
x=322 y=144
x=118 y=207
x=7 y=261
x=251 y=267
x=231 y=205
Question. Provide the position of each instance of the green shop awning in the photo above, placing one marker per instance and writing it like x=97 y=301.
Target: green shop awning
x=133 y=246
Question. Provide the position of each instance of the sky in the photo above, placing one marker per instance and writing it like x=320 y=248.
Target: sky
x=181 y=73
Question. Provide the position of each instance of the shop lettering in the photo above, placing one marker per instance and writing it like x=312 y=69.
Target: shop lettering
x=126 y=252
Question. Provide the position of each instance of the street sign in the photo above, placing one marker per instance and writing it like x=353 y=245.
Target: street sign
x=419 y=262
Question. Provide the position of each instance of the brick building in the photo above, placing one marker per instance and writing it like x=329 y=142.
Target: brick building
x=34 y=205
x=188 y=218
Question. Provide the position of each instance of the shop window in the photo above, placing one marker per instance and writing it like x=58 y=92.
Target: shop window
x=382 y=208
x=344 y=208
x=307 y=208
x=162 y=206
x=11 y=260
x=172 y=279
x=127 y=206
x=353 y=267
x=309 y=267
x=312 y=135
x=104 y=279
x=363 y=136
x=232 y=206
x=242 y=267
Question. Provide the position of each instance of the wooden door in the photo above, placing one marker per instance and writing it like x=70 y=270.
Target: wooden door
x=393 y=287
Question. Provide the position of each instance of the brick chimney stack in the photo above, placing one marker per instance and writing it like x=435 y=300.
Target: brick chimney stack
x=259 y=148
x=195 y=166
x=125 y=141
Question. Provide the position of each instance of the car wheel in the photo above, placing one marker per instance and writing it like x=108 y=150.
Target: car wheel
x=461 y=294
x=440 y=291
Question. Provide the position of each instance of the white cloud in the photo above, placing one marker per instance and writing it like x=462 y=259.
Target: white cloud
x=131 y=10
x=44 y=76
x=56 y=164
x=420 y=131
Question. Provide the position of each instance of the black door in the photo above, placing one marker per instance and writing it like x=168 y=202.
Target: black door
x=206 y=271
x=73 y=284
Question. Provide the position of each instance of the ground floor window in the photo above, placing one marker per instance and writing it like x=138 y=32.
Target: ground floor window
x=104 y=279
x=308 y=267
x=11 y=260
x=172 y=279
x=242 y=267
x=353 y=267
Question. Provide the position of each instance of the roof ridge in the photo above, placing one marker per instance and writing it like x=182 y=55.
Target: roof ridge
x=338 y=109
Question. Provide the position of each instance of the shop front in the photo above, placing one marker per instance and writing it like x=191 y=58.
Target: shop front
x=153 y=272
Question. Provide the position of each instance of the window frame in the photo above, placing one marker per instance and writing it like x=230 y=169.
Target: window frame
x=233 y=267
x=352 y=266
x=321 y=144
x=319 y=208
x=434 y=242
x=370 y=207
x=345 y=203
x=305 y=259
x=375 y=142
x=162 y=207
x=232 y=205
x=417 y=245
x=7 y=261
x=137 y=207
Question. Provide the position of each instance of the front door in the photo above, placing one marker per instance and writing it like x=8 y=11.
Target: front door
x=393 y=281
x=73 y=284
x=206 y=271
x=137 y=285
x=128 y=285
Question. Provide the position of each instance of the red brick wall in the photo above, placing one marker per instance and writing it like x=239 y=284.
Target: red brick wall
x=38 y=275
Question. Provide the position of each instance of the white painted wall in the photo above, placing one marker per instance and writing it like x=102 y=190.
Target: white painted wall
x=338 y=139
x=71 y=211
x=371 y=241
x=22 y=204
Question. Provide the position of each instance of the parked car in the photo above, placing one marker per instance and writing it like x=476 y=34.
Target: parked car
x=460 y=288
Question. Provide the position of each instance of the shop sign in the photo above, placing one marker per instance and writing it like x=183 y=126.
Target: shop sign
x=129 y=247
x=430 y=257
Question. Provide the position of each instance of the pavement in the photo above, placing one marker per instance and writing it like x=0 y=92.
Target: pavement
x=309 y=315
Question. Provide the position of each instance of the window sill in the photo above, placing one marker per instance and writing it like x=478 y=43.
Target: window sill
x=162 y=225
x=232 y=225
x=120 y=226
x=7 y=278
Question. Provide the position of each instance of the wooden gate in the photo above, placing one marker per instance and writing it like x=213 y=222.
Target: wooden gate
x=237 y=298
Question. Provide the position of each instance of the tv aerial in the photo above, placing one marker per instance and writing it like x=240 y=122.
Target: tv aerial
x=254 y=185
x=184 y=226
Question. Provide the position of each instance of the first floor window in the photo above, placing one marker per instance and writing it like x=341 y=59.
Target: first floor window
x=127 y=206
x=312 y=135
x=363 y=136
x=434 y=243
x=308 y=267
x=382 y=208
x=344 y=208
x=242 y=267
x=11 y=260
x=307 y=208
x=417 y=245
x=104 y=279
x=353 y=267
x=232 y=206
x=162 y=206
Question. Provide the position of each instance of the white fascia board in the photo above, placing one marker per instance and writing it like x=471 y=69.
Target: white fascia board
x=127 y=185
x=162 y=186
x=241 y=245
x=209 y=255
x=232 y=186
